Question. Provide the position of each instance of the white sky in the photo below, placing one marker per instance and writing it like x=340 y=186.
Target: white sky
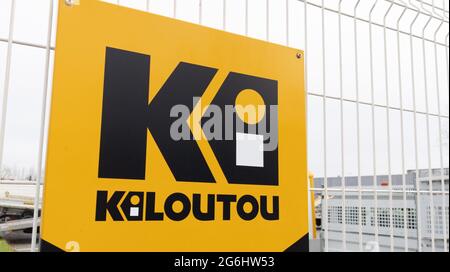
x=28 y=67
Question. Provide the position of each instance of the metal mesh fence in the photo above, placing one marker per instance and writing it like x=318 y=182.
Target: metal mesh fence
x=377 y=86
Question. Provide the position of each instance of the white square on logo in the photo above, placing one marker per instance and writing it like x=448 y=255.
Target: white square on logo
x=134 y=211
x=249 y=150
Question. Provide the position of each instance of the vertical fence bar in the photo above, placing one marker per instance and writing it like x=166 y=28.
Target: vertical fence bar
x=374 y=150
x=200 y=10
x=448 y=85
x=358 y=136
x=246 y=17
x=446 y=44
x=224 y=14
x=416 y=156
x=341 y=89
x=305 y=56
x=324 y=109
x=7 y=80
x=267 y=20
x=42 y=132
x=287 y=22
x=388 y=131
x=441 y=157
x=147 y=5
x=174 y=15
x=430 y=181
x=400 y=89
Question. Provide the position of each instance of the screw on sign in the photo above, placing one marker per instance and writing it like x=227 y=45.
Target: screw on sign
x=72 y=2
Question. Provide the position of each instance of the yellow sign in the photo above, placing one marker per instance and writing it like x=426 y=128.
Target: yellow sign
x=169 y=136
